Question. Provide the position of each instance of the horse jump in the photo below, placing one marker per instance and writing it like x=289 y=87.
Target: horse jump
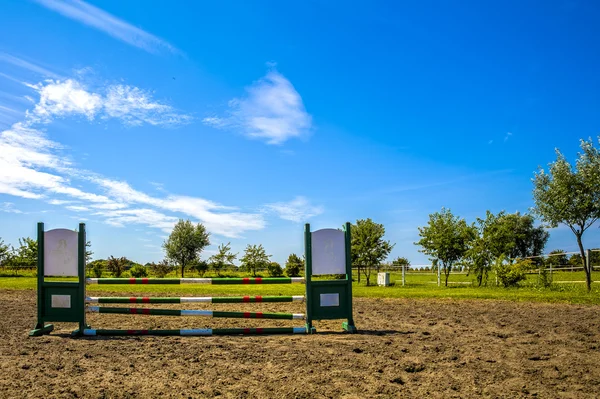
x=61 y=252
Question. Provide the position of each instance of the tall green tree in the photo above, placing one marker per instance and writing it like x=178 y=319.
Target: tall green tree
x=222 y=259
x=255 y=258
x=185 y=243
x=446 y=238
x=558 y=258
x=293 y=265
x=570 y=195
x=513 y=235
x=26 y=253
x=401 y=261
x=5 y=252
x=116 y=265
x=368 y=248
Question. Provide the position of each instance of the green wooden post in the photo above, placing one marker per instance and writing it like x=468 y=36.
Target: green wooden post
x=308 y=278
x=81 y=240
x=349 y=324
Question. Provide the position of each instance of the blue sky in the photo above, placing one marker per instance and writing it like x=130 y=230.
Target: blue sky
x=256 y=117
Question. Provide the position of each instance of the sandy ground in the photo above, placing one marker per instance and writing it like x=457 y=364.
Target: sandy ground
x=405 y=348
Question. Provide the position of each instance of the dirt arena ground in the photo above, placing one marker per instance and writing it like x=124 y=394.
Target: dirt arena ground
x=405 y=348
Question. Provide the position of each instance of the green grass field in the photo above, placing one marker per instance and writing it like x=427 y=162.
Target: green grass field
x=418 y=285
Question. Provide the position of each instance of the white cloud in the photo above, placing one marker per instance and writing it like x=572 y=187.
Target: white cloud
x=77 y=208
x=297 y=210
x=119 y=29
x=34 y=167
x=30 y=66
x=9 y=207
x=131 y=105
x=272 y=110
x=58 y=99
x=508 y=134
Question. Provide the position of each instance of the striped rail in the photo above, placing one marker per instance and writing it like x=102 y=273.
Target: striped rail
x=214 y=281
x=205 y=313
x=202 y=331
x=229 y=299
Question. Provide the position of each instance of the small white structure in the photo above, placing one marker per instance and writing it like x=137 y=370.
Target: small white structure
x=383 y=279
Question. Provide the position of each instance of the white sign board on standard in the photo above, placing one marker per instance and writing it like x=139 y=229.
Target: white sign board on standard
x=328 y=252
x=60 y=252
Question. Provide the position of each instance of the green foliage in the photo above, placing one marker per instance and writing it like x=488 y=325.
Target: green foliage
x=446 y=238
x=368 y=248
x=254 y=258
x=160 y=269
x=571 y=196
x=293 y=265
x=185 y=243
x=97 y=267
x=5 y=253
x=223 y=259
x=545 y=277
x=138 y=271
x=116 y=266
x=200 y=266
x=274 y=269
x=510 y=274
x=401 y=261
x=558 y=258
x=26 y=253
x=512 y=234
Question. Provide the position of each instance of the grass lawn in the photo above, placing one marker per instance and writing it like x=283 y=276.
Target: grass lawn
x=421 y=285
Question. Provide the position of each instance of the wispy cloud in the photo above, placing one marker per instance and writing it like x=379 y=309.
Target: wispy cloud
x=87 y=14
x=507 y=136
x=131 y=105
x=28 y=65
x=9 y=207
x=297 y=210
x=35 y=167
x=272 y=110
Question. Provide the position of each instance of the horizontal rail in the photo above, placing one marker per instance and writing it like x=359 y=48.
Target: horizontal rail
x=215 y=281
x=205 y=313
x=225 y=299
x=199 y=331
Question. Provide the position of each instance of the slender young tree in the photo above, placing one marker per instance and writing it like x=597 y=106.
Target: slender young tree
x=224 y=258
x=368 y=248
x=571 y=195
x=446 y=238
x=185 y=243
x=254 y=258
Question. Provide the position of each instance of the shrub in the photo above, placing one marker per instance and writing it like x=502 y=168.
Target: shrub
x=201 y=266
x=510 y=274
x=274 y=269
x=161 y=269
x=116 y=265
x=293 y=266
x=138 y=271
x=97 y=269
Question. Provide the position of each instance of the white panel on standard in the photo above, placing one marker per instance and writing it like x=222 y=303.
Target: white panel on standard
x=329 y=300
x=60 y=252
x=61 y=301
x=328 y=252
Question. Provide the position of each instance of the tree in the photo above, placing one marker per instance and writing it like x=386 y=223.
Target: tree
x=558 y=257
x=446 y=238
x=293 y=265
x=224 y=258
x=274 y=269
x=254 y=258
x=368 y=248
x=185 y=243
x=26 y=254
x=160 y=269
x=401 y=261
x=116 y=265
x=513 y=235
x=88 y=252
x=5 y=252
x=571 y=195
x=511 y=273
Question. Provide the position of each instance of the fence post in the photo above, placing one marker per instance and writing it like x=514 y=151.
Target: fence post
x=439 y=270
x=403 y=275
